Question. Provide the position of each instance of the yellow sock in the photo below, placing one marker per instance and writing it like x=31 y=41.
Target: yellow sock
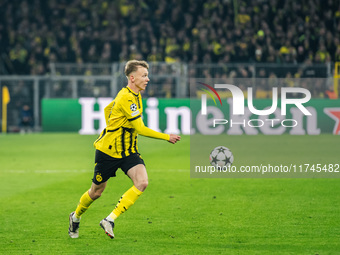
x=128 y=199
x=84 y=204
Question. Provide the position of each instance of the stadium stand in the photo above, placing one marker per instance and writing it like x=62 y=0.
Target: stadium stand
x=77 y=48
x=35 y=33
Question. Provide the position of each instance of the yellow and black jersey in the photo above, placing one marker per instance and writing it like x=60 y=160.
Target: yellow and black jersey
x=124 y=122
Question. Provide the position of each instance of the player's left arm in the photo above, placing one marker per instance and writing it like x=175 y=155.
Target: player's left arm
x=107 y=111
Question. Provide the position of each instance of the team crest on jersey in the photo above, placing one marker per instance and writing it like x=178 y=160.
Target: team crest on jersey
x=133 y=107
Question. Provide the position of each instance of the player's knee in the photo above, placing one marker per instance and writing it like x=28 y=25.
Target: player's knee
x=95 y=194
x=141 y=185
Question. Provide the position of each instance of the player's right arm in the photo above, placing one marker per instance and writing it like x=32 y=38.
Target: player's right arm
x=174 y=138
x=141 y=129
x=134 y=117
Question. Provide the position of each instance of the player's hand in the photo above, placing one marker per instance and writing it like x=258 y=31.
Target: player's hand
x=174 y=138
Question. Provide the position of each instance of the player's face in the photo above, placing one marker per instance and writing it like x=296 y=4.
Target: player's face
x=141 y=78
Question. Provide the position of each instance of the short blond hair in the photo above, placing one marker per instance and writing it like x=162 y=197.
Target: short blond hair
x=132 y=66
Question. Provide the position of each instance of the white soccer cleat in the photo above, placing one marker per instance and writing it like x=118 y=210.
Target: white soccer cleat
x=108 y=227
x=73 y=229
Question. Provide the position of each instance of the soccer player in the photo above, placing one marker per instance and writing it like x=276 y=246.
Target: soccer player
x=116 y=147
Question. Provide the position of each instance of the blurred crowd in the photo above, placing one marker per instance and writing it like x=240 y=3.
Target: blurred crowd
x=34 y=33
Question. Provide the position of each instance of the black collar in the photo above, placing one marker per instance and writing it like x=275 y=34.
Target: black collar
x=132 y=91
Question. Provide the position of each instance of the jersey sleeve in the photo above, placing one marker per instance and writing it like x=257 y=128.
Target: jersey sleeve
x=129 y=108
x=141 y=129
x=107 y=111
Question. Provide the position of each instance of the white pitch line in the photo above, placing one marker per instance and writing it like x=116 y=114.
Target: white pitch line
x=47 y=171
x=170 y=170
x=55 y=171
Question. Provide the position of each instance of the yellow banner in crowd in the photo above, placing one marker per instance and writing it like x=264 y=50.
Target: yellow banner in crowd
x=5 y=100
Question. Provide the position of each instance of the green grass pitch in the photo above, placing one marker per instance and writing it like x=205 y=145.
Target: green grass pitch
x=44 y=175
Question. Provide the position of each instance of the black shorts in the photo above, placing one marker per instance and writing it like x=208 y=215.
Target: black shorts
x=106 y=166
